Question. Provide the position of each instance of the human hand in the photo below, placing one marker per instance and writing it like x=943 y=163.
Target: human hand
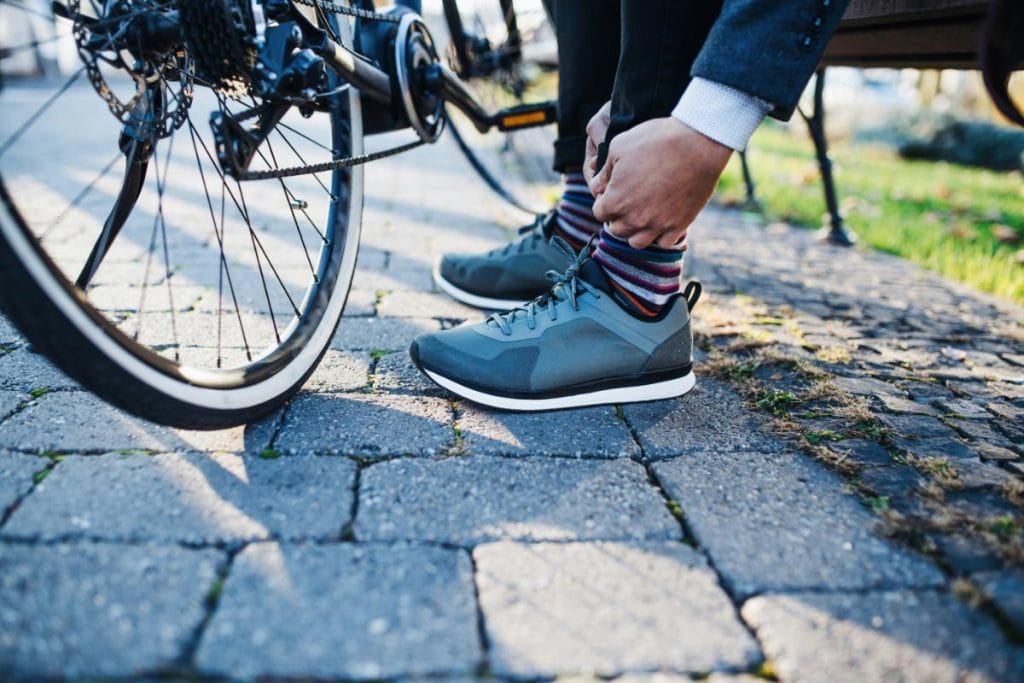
x=658 y=177
x=597 y=130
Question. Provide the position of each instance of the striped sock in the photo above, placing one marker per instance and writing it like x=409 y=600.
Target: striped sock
x=574 y=214
x=647 y=278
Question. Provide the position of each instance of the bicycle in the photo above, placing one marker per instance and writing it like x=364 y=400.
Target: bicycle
x=201 y=285
x=488 y=46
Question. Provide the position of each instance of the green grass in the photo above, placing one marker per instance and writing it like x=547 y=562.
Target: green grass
x=942 y=216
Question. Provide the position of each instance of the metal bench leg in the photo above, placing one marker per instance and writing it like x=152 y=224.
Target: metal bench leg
x=751 y=204
x=835 y=232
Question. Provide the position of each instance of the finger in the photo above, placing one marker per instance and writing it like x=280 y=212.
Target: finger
x=622 y=229
x=671 y=239
x=643 y=238
x=600 y=181
x=608 y=202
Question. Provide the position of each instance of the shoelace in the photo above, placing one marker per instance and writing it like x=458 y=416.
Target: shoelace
x=565 y=287
x=534 y=232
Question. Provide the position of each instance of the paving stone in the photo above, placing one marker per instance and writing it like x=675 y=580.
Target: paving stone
x=9 y=402
x=967 y=409
x=8 y=333
x=77 y=421
x=897 y=404
x=16 y=472
x=965 y=555
x=886 y=481
x=606 y=608
x=366 y=425
x=862 y=452
x=710 y=418
x=465 y=501
x=1006 y=410
x=344 y=612
x=975 y=389
x=404 y=304
x=189 y=498
x=585 y=432
x=27 y=371
x=926 y=392
x=340 y=371
x=980 y=431
x=989 y=452
x=866 y=386
x=808 y=531
x=1006 y=590
x=95 y=610
x=919 y=427
x=973 y=474
x=361 y=303
x=980 y=503
x=388 y=334
x=889 y=636
x=396 y=374
x=398 y=276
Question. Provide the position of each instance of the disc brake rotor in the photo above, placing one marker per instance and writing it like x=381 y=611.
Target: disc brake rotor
x=165 y=79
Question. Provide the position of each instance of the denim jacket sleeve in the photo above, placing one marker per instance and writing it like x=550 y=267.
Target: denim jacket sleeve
x=769 y=48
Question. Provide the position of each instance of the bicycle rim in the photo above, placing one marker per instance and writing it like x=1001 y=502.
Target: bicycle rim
x=217 y=298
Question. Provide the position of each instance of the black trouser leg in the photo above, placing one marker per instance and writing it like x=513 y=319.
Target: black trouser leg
x=660 y=41
x=588 y=53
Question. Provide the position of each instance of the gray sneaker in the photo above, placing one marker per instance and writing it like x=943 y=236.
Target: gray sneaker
x=578 y=345
x=503 y=278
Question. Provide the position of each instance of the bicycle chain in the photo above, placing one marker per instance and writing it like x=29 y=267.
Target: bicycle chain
x=349 y=11
x=335 y=165
x=346 y=162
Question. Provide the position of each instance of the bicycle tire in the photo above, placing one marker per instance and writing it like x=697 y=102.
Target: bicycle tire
x=61 y=321
x=497 y=87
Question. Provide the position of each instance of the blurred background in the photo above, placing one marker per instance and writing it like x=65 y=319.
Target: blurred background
x=926 y=168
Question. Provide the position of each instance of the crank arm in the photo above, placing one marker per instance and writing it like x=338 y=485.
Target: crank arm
x=444 y=83
x=433 y=79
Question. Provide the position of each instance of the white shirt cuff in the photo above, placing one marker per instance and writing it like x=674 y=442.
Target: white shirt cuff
x=720 y=112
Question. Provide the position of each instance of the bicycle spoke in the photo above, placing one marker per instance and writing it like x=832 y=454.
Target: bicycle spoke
x=193 y=133
x=80 y=197
x=292 y=201
x=167 y=257
x=27 y=10
x=259 y=264
x=9 y=142
x=302 y=160
x=7 y=52
x=282 y=124
x=149 y=262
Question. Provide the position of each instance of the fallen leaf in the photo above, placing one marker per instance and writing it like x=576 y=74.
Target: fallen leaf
x=963 y=231
x=1005 y=234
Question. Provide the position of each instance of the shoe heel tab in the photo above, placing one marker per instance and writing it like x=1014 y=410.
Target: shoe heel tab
x=692 y=293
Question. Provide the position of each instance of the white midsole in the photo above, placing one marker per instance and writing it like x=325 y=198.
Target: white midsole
x=472 y=299
x=670 y=388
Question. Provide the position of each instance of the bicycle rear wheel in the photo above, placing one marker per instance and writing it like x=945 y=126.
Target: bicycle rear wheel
x=217 y=298
x=485 y=47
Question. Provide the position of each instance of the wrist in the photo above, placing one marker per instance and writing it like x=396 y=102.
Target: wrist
x=695 y=146
x=721 y=113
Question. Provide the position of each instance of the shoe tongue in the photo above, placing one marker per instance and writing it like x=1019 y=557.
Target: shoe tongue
x=591 y=273
x=594 y=275
x=547 y=226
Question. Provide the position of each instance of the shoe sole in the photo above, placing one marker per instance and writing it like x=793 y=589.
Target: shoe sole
x=474 y=300
x=657 y=391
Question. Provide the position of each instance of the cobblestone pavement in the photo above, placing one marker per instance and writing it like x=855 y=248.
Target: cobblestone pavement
x=838 y=500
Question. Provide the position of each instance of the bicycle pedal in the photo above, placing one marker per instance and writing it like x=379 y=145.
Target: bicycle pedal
x=527 y=116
